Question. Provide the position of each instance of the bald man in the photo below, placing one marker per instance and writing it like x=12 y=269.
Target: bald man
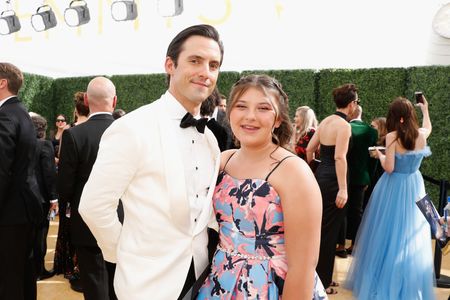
x=79 y=147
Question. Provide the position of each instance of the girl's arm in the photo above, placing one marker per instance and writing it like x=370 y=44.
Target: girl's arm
x=387 y=161
x=426 y=122
x=302 y=211
x=312 y=146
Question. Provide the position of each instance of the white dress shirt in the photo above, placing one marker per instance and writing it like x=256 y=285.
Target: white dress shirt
x=197 y=157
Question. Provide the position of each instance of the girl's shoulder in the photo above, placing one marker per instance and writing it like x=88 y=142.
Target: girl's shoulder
x=288 y=162
x=391 y=135
x=225 y=157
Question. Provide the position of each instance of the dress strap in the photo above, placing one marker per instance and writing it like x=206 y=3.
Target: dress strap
x=340 y=114
x=278 y=164
x=226 y=163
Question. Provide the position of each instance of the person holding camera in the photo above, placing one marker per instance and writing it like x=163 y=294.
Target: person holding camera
x=392 y=258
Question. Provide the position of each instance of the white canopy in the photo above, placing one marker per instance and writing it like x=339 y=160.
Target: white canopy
x=257 y=34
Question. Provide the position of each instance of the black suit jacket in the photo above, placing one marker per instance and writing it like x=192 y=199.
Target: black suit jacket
x=79 y=147
x=20 y=201
x=222 y=131
x=46 y=172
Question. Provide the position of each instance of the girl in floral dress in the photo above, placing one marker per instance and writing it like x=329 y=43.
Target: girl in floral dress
x=267 y=204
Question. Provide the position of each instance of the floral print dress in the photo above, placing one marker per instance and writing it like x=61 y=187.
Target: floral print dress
x=250 y=261
x=302 y=144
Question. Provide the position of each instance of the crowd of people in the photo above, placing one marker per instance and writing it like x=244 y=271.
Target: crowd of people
x=198 y=197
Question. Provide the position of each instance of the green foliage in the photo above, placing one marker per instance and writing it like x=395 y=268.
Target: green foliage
x=434 y=82
x=226 y=81
x=37 y=95
x=376 y=89
x=134 y=91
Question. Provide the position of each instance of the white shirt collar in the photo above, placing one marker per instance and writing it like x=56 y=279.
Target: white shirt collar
x=7 y=98
x=99 y=113
x=175 y=110
x=356 y=119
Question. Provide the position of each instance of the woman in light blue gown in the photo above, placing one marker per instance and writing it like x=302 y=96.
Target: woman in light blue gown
x=392 y=258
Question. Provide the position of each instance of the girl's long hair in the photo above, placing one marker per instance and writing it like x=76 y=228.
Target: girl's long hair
x=402 y=118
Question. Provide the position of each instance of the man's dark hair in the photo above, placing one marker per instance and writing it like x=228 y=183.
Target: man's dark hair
x=176 y=45
x=118 y=113
x=208 y=106
x=40 y=124
x=344 y=94
x=13 y=75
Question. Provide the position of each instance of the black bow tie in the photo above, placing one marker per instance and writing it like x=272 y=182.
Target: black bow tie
x=188 y=121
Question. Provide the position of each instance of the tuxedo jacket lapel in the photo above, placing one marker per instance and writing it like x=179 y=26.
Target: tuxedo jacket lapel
x=174 y=175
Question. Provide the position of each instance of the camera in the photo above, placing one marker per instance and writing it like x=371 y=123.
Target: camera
x=419 y=97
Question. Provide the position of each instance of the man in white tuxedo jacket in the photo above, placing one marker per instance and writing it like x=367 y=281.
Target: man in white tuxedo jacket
x=165 y=176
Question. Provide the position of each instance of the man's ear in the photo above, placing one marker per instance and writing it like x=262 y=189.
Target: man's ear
x=3 y=83
x=114 y=102
x=85 y=100
x=169 y=65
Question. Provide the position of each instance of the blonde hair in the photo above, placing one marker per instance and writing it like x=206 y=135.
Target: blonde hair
x=309 y=120
x=382 y=130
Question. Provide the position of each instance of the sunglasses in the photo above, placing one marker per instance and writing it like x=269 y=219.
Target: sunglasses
x=60 y=120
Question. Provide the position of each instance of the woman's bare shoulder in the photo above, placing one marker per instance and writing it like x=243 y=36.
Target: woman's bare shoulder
x=225 y=156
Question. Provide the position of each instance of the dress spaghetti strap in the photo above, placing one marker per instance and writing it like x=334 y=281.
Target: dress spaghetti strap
x=226 y=163
x=278 y=164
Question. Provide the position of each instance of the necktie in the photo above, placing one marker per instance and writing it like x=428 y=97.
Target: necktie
x=188 y=121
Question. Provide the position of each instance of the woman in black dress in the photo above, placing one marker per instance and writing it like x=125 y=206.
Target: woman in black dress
x=333 y=136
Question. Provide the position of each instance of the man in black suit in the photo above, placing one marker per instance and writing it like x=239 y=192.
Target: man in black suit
x=79 y=147
x=217 y=122
x=45 y=169
x=20 y=203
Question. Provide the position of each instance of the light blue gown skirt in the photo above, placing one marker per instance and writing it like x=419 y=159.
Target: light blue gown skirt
x=393 y=258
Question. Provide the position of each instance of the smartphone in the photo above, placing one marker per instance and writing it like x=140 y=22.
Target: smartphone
x=419 y=97
x=380 y=148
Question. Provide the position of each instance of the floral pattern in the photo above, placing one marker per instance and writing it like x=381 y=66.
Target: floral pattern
x=250 y=262
x=302 y=143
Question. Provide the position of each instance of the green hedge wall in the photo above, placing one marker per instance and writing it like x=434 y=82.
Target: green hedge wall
x=435 y=84
x=226 y=81
x=377 y=88
x=134 y=91
x=37 y=93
